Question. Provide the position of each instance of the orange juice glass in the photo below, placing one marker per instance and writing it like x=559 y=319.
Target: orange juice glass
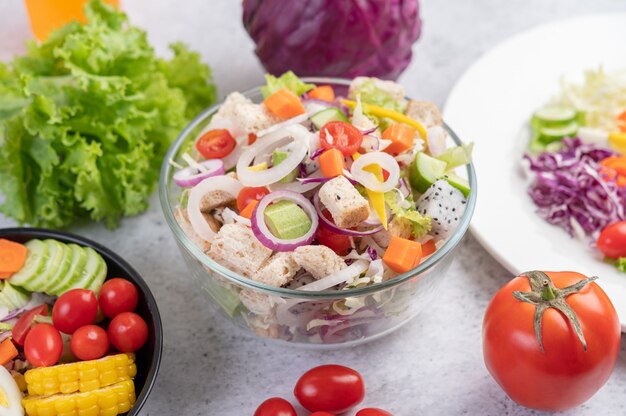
x=47 y=15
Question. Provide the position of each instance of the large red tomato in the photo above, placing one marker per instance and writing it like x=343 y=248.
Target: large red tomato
x=564 y=374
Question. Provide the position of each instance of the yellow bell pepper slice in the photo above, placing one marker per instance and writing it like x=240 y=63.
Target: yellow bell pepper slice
x=617 y=140
x=394 y=115
x=259 y=167
x=376 y=198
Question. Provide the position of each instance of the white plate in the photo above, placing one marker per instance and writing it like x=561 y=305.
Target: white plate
x=491 y=105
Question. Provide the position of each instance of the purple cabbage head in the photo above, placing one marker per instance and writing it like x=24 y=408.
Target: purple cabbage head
x=334 y=37
x=568 y=185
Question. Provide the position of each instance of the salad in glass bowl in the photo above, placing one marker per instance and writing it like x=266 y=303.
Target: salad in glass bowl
x=318 y=211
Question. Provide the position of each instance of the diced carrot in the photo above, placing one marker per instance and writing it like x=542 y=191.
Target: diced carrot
x=401 y=137
x=332 y=163
x=12 y=255
x=617 y=163
x=251 y=138
x=5 y=275
x=284 y=104
x=622 y=117
x=402 y=255
x=428 y=248
x=249 y=209
x=323 y=92
x=7 y=351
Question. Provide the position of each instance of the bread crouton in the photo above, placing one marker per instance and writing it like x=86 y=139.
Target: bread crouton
x=215 y=199
x=425 y=112
x=236 y=247
x=394 y=90
x=251 y=117
x=258 y=303
x=279 y=270
x=346 y=205
x=183 y=220
x=320 y=261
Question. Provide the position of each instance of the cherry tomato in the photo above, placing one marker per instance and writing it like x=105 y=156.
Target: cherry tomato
x=345 y=137
x=338 y=243
x=249 y=194
x=25 y=323
x=128 y=332
x=275 y=407
x=43 y=345
x=216 y=144
x=117 y=296
x=330 y=388
x=373 y=411
x=73 y=309
x=563 y=375
x=89 y=342
x=612 y=240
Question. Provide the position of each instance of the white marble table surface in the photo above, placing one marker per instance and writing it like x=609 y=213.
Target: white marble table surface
x=433 y=365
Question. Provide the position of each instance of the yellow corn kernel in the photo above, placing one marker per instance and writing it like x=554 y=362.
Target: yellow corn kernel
x=81 y=376
x=106 y=401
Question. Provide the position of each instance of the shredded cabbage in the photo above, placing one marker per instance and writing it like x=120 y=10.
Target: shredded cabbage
x=568 y=185
x=601 y=97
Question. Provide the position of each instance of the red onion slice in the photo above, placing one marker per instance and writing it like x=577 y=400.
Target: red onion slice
x=214 y=183
x=191 y=176
x=343 y=231
x=265 y=236
x=368 y=179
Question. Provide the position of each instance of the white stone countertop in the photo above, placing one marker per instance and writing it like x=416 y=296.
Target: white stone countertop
x=431 y=366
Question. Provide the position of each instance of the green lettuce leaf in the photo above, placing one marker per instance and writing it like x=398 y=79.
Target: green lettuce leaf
x=408 y=217
x=371 y=94
x=620 y=264
x=86 y=118
x=287 y=80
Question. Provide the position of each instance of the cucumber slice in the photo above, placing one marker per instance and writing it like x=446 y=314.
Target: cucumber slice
x=459 y=183
x=77 y=264
x=286 y=220
x=93 y=266
x=553 y=117
x=60 y=273
x=277 y=158
x=457 y=156
x=39 y=282
x=330 y=114
x=36 y=260
x=96 y=283
x=14 y=297
x=548 y=135
x=425 y=170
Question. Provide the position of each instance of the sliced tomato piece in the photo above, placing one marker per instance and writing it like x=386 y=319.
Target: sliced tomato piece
x=25 y=323
x=341 y=136
x=216 y=144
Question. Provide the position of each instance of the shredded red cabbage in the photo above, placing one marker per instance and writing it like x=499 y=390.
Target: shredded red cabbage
x=569 y=186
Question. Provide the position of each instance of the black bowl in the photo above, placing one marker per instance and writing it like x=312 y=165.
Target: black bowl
x=148 y=357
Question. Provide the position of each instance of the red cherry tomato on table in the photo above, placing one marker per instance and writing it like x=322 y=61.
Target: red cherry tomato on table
x=563 y=375
x=73 y=309
x=128 y=332
x=330 y=388
x=345 y=137
x=117 y=296
x=612 y=240
x=89 y=342
x=216 y=144
x=373 y=411
x=338 y=243
x=275 y=407
x=25 y=323
x=246 y=195
x=43 y=345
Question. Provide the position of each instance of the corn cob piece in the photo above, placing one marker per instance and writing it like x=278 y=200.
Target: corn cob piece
x=81 y=376
x=107 y=401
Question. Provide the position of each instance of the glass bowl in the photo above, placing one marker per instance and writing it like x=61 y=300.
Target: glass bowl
x=307 y=318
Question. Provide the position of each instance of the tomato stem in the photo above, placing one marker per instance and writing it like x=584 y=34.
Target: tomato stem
x=544 y=295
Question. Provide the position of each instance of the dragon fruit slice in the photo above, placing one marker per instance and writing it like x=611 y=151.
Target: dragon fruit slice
x=445 y=205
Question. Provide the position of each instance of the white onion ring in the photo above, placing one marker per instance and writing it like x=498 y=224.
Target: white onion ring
x=297 y=185
x=190 y=177
x=336 y=278
x=368 y=179
x=265 y=236
x=214 y=183
x=300 y=118
x=436 y=140
x=296 y=133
